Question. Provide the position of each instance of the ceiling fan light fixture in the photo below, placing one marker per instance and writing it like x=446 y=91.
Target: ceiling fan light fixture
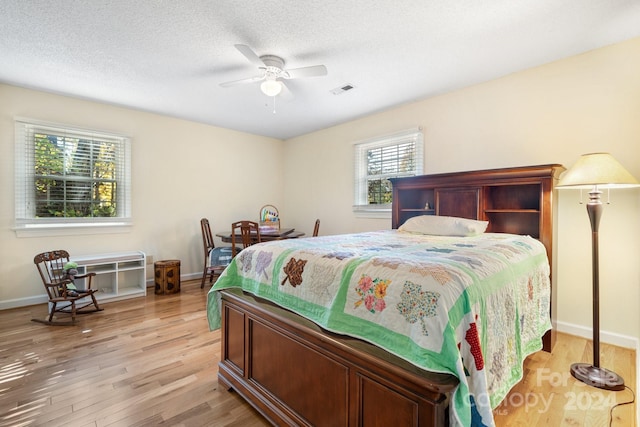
x=271 y=87
x=271 y=69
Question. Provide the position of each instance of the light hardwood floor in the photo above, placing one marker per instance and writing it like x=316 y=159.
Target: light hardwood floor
x=152 y=361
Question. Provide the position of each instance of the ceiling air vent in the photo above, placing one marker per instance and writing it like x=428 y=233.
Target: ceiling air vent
x=342 y=89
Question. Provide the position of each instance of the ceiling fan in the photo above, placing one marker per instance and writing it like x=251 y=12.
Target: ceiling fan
x=272 y=72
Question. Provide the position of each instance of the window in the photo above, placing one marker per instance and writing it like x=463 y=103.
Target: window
x=378 y=160
x=68 y=178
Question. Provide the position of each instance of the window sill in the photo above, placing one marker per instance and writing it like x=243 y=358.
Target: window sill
x=371 y=212
x=61 y=229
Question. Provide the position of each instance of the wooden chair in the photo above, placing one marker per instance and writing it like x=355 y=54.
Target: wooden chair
x=316 y=228
x=249 y=233
x=63 y=295
x=215 y=259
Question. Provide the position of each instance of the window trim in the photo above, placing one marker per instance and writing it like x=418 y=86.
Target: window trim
x=26 y=225
x=360 y=206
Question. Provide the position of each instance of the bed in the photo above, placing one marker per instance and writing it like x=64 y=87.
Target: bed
x=409 y=326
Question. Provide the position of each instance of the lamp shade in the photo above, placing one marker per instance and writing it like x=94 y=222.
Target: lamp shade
x=271 y=87
x=597 y=169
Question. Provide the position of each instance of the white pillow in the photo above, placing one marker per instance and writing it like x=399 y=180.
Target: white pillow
x=443 y=226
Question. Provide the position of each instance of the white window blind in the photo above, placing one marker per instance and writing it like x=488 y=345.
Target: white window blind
x=377 y=160
x=67 y=177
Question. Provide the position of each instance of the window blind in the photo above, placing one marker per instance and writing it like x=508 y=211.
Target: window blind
x=377 y=160
x=69 y=176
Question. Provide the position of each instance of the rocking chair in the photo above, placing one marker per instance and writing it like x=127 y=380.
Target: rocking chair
x=63 y=295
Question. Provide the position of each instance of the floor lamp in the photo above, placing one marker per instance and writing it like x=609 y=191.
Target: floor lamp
x=596 y=171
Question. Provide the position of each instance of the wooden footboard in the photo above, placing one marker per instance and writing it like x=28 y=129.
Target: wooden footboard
x=295 y=373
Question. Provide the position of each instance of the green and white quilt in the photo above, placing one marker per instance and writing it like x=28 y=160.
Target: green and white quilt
x=474 y=307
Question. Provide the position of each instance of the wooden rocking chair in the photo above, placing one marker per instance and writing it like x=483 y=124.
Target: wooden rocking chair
x=64 y=297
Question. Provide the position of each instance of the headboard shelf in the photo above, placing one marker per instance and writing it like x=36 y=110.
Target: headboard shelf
x=514 y=200
x=521 y=197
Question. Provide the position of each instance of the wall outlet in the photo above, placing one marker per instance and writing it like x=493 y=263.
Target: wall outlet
x=149 y=259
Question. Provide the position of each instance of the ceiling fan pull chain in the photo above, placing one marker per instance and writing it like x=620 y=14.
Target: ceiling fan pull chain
x=274 y=105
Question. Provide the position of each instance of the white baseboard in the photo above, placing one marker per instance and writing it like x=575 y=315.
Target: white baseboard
x=43 y=299
x=23 y=302
x=605 y=337
x=191 y=276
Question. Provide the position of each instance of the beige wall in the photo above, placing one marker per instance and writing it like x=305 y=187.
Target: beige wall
x=181 y=171
x=550 y=114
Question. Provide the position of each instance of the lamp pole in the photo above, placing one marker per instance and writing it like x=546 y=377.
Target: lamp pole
x=593 y=374
x=594 y=210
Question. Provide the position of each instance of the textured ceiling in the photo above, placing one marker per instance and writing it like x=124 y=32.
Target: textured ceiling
x=169 y=57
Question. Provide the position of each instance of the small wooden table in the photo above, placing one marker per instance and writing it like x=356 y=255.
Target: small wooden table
x=265 y=236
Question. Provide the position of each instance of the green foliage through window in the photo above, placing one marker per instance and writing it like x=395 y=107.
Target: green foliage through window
x=74 y=177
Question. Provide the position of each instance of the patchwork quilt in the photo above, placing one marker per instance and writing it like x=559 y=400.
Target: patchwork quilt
x=474 y=307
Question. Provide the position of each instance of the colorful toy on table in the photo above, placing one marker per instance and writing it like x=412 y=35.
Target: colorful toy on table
x=269 y=219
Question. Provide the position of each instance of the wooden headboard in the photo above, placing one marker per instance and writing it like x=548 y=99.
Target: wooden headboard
x=514 y=200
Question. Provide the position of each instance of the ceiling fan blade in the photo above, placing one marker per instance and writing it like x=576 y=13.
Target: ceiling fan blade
x=286 y=94
x=313 y=71
x=250 y=55
x=242 y=81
